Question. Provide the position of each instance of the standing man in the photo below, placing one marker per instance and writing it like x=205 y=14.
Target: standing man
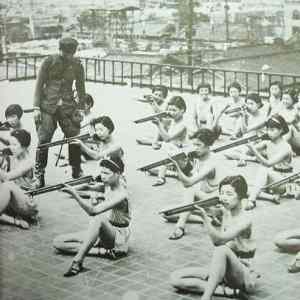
x=54 y=103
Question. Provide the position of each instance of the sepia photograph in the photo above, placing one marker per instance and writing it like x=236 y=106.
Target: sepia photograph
x=149 y=149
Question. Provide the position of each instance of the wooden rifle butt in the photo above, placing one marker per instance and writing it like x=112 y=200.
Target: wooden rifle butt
x=189 y=207
x=28 y=110
x=288 y=179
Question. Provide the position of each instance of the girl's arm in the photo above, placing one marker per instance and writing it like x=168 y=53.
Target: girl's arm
x=101 y=207
x=22 y=169
x=170 y=137
x=188 y=181
x=222 y=237
x=277 y=158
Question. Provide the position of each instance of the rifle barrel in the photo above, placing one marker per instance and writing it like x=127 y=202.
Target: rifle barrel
x=188 y=207
x=58 y=186
x=151 y=117
x=28 y=110
x=287 y=179
x=64 y=141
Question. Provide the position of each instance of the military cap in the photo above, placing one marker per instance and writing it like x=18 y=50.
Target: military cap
x=68 y=44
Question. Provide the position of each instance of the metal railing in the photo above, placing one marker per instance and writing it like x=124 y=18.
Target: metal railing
x=176 y=77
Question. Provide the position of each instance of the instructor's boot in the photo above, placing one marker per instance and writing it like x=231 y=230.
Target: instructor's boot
x=77 y=172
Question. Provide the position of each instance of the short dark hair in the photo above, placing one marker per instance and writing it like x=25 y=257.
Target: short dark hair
x=178 y=101
x=203 y=85
x=279 y=122
x=238 y=182
x=278 y=83
x=256 y=98
x=235 y=85
x=293 y=93
x=68 y=45
x=206 y=136
x=88 y=99
x=23 y=136
x=161 y=88
x=14 y=109
x=105 y=121
x=113 y=163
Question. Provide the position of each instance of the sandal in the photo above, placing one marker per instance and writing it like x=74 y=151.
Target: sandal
x=178 y=233
x=294 y=267
x=160 y=181
x=75 y=268
x=276 y=199
x=110 y=253
x=21 y=223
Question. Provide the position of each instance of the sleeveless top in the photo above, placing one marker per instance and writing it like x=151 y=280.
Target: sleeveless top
x=202 y=110
x=243 y=245
x=211 y=182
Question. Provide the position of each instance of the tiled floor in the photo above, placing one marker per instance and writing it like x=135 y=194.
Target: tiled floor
x=31 y=269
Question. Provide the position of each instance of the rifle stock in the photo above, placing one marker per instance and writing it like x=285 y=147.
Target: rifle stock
x=287 y=179
x=151 y=117
x=189 y=207
x=51 y=188
x=215 y=149
x=64 y=141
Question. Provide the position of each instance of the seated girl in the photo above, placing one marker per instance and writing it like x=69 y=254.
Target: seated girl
x=203 y=181
x=234 y=247
x=276 y=161
x=16 y=207
x=175 y=137
x=105 y=232
x=289 y=241
x=251 y=119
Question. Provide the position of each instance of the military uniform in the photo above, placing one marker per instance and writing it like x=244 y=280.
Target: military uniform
x=55 y=98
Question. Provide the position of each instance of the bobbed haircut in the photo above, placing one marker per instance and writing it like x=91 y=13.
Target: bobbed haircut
x=105 y=121
x=88 y=99
x=113 y=163
x=278 y=83
x=203 y=85
x=14 y=109
x=178 y=102
x=23 y=137
x=293 y=93
x=161 y=88
x=206 y=136
x=256 y=98
x=235 y=85
x=238 y=182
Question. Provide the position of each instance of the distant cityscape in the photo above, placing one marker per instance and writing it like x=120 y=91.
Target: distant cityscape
x=194 y=29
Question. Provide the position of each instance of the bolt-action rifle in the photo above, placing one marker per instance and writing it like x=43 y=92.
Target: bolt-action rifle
x=151 y=117
x=189 y=207
x=51 y=188
x=183 y=155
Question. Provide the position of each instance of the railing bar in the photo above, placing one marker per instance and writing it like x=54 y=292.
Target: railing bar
x=141 y=74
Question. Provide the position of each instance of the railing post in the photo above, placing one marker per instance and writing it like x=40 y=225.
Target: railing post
x=25 y=62
x=34 y=66
x=113 y=71
x=213 y=82
x=141 y=74
x=171 y=78
x=160 y=75
x=247 y=83
x=104 y=65
x=131 y=74
x=122 y=72
x=181 y=89
x=151 y=71
x=225 y=83
x=95 y=70
x=17 y=68
x=7 y=68
x=86 y=68
x=258 y=82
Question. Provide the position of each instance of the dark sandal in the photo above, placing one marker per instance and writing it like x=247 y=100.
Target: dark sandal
x=75 y=268
x=175 y=235
x=295 y=266
x=110 y=253
x=250 y=205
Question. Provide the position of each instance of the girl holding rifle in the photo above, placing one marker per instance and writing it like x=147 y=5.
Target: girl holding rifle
x=105 y=232
x=234 y=247
x=204 y=178
x=276 y=161
x=16 y=208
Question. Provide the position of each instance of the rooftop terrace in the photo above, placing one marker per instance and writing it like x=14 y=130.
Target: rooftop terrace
x=31 y=269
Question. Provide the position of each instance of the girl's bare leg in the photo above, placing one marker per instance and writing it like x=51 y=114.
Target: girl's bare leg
x=289 y=240
x=191 y=279
x=225 y=264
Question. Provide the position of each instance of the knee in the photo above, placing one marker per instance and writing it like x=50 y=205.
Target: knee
x=58 y=242
x=221 y=251
x=280 y=241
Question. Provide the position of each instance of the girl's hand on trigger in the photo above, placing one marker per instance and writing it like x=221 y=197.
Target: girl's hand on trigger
x=200 y=211
x=155 y=121
x=68 y=189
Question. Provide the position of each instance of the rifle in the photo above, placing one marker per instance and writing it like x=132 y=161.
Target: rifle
x=189 y=207
x=64 y=141
x=152 y=117
x=51 y=188
x=182 y=155
x=287 y=179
